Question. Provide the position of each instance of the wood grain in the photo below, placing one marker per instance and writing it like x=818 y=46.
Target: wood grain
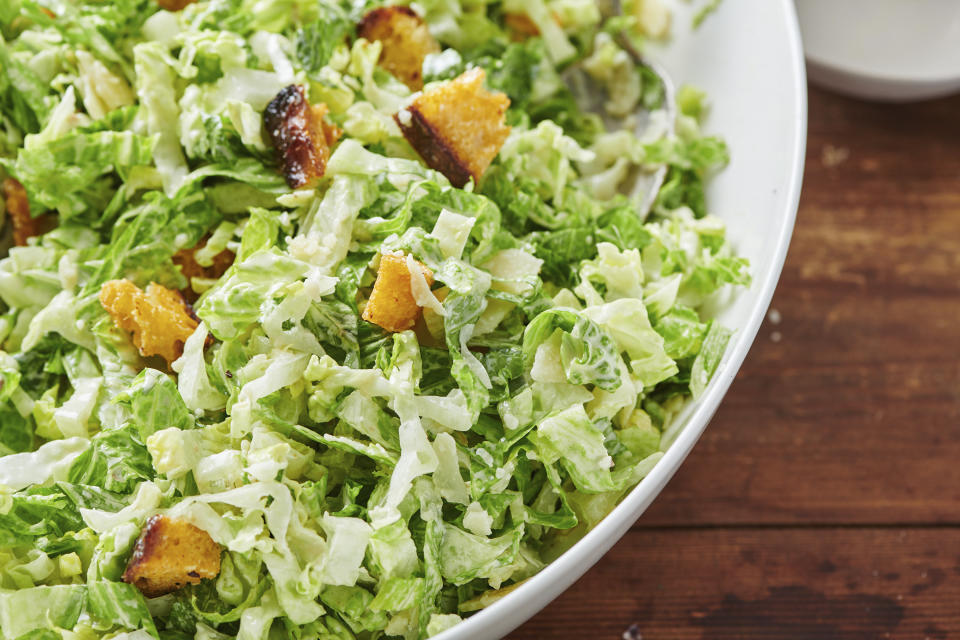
x=823 y=501
x=730 y=584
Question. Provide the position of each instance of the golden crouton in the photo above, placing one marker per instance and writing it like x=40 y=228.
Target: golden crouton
x=174 y=5
x=391 y=304
x=520 y=25
x=300 y=134
x=159 y=318
x=406 y=42
x=458 y=127
x=169 y=554
x=18 y=209
x=190 y=268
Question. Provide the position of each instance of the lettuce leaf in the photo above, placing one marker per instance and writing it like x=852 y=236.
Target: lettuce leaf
x=45 y=607
x=116 y=460
x=586 y=353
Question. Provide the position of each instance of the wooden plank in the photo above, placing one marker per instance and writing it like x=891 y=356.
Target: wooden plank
x=848 y=410
x=816 y=584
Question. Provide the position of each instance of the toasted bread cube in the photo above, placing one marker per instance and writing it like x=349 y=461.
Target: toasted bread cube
x=520 y=25
x=406 y=42
x=169 y=554
x=190 y=268
x=458 y=127
x=174 y=5
x=158 y=318
x=18 y=209
x=300 y=135
x=391 y=304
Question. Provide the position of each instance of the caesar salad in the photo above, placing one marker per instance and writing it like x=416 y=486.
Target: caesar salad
x=332 y=318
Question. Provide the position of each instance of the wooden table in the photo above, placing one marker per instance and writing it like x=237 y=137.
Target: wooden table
x=823 y=501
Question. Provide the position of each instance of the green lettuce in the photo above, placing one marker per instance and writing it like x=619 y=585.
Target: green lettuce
x=586 y=353
x=359 y=482
x=38 y=608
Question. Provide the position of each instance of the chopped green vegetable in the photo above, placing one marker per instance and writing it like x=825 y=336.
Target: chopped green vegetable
x=359 y=483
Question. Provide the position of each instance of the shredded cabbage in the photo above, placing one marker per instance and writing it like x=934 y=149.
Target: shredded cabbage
x=359 y=483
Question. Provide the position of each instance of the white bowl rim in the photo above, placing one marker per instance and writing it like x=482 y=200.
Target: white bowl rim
x=577 y=560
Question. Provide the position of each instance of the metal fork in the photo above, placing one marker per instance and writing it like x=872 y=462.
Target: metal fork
x=645 y=185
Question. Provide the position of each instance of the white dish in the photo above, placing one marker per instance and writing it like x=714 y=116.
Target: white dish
x=749 y=58
x=883 y=49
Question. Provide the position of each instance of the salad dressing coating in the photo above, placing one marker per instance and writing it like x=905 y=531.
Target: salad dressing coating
x=332 y=320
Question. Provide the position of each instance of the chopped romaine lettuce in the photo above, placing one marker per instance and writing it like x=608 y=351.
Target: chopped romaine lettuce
x=359 y=482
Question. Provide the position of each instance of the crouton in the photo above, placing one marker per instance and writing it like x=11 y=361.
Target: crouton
x=391 y=304
x=174 y=5
x=458 y=127
x=300 y=135
x=190 y=268
x=159 y=318
x=169 y=554
x=406 y=42
x=520 y=25
x=18 y=210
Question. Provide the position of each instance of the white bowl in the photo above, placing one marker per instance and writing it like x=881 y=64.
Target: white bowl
x=748 y=57
x=883 y=49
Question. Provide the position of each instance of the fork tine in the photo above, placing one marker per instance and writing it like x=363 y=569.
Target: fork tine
x=669 y=105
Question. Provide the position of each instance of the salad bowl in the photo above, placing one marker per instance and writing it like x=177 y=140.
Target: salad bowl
x=290 y=351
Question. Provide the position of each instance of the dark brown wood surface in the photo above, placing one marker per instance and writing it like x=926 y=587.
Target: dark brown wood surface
x=823 y=501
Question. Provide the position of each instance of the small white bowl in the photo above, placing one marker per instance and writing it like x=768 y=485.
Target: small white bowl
x=892 y=50
x=748 y=58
